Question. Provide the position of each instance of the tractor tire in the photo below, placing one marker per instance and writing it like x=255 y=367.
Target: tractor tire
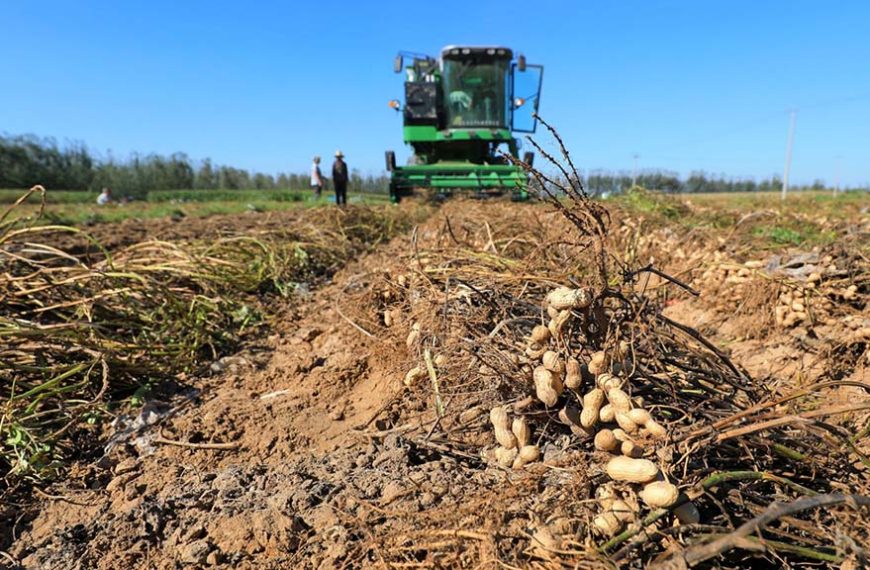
x=520 y=196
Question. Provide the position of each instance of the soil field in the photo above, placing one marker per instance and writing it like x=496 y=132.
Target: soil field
x=356 y=427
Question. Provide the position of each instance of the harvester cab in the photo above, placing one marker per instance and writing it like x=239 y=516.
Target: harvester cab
x=460 y=114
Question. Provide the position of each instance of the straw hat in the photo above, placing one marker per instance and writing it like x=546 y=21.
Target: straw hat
x=339 y=154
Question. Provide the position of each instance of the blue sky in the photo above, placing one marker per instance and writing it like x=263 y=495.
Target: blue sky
x=265 y=85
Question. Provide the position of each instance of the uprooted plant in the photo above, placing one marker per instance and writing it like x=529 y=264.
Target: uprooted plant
x=675 y=445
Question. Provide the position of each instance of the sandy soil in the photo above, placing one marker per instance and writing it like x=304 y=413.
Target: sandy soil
x=293 y=453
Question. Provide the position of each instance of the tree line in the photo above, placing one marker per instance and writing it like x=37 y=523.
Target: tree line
x=26 y=160
x=604 y=182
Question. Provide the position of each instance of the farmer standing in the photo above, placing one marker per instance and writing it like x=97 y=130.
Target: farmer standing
x=339 y=178
x=316 y=178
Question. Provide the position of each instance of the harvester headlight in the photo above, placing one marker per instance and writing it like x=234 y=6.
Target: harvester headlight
x=394 y=104
x=519 y=102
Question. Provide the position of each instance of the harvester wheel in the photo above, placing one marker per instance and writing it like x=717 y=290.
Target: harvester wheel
x=520 y=195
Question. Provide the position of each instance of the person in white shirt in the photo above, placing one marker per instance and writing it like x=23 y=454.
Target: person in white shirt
x=105 y=197
x=316 y=178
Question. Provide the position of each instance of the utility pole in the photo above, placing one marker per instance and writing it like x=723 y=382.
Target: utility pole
x=837 y=174
x=634 y=157
x=791 y=122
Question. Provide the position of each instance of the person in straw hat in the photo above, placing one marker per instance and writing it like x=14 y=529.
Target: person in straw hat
x=339 y=178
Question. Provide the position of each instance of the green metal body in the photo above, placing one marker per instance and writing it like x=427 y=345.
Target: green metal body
x=458 y=119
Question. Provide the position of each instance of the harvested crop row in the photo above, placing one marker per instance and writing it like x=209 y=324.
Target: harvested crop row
x=78 y=334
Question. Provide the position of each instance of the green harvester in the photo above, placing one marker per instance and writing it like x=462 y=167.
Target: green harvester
x=460 y=115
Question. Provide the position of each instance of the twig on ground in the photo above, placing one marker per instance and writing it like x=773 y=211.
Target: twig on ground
x=353 y=324
x=698 y=554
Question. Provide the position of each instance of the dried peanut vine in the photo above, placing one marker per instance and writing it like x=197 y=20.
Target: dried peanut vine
x=587 y=352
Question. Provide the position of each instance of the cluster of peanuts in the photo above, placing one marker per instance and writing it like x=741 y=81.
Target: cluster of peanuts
x=792 y=307
x=724 y=271
x=801 y=303
x=859 y=329
x=391 y=316
x=729 y=280
x=515 y=448
x=603 y=406
x=617 y=424
x=555 y=374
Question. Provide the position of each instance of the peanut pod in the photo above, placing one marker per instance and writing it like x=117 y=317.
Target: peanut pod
x=548 y=386
x=643 y=418
x=607 y=524
x=573 y=374
x=597 y=364
x=498 y=416
x=566 y=298
x=639 y=416
x=536 y=351
x=505 y=457
x=656 y=430
x=607 y=414
x=526 y=455
x=605 y=441
x=619 y=400
x=591 y=406
x=608 y=381
x=659 y=494
x=630 y=449
x=558 y=323
x=622 y=468
x=622 y=510
x=540 y=334
x=552 y=362
x=413 y=375
x=501 y=424
x=521 y=431
x=625 y=423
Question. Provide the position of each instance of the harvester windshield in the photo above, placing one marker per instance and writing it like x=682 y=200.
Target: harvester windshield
x=476 y=89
